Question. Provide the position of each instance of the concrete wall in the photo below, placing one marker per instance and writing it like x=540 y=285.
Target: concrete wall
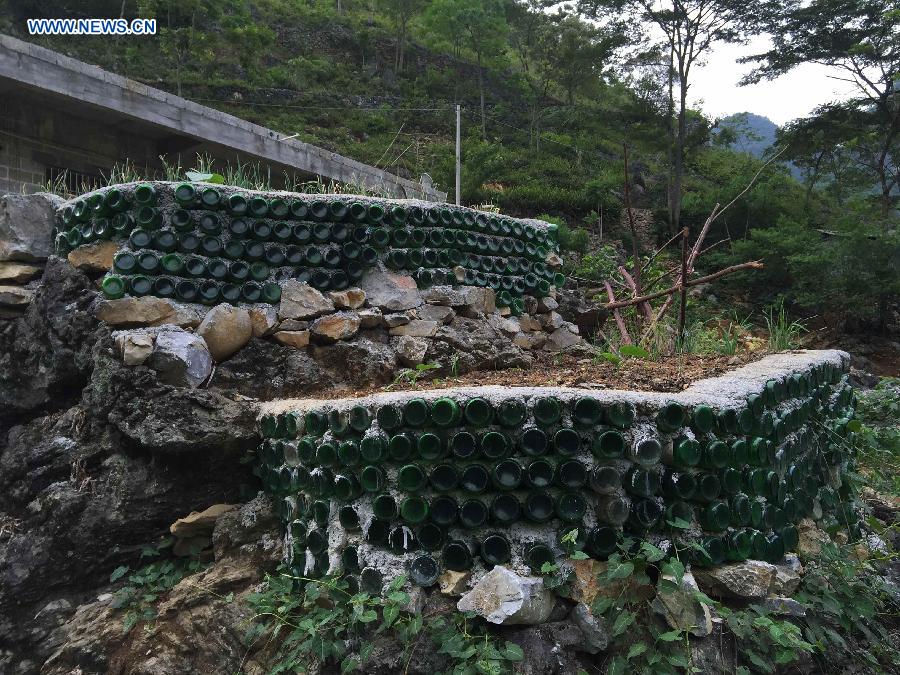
x=47 y=78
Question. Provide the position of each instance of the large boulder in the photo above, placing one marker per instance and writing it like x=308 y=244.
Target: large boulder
x=146 y=311
x=503 y=597
x=679 y=606
x=26 y=226
x=181 y=359
x=391 y=292
x=225 y=329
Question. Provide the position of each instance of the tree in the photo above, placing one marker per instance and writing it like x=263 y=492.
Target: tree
x=401 y=12
x=690 y=28
x=479 y=26
x=858 y=40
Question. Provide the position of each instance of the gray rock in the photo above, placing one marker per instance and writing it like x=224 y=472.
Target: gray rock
x=396 y=319
x=416 y=328
x=302 y=301
x=551 y=321
x=785 y=607
x=292 y=324
x=561 y=339
x=549 y=647
x=360 y=362
x=593 y=628
x=529 y=323
x=503 y=597
x=135 y=347
x=26 y=226
x=546 y=304
x=334 y=327
x=15 y=296
x=18 y=273
x=391 y=292
x=750 y=579
x=225 y=329
x=445 y=296
x=410 y=350
x=472 y=344
x=788 y=575
x=370 y=317
x=263 y=319
x=680 y=607
x=439 y=313
x=292 y=338
x=349 y=298
x=478 y=301
x=181 y=359
x=530 y=340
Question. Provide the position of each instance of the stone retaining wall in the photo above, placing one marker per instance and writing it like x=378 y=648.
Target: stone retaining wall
x=763 y=448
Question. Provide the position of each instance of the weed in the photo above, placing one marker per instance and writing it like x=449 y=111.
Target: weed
x=783 y=334
x=145 y=585
x=409 y=376
x=321 y=622
x=879 y=436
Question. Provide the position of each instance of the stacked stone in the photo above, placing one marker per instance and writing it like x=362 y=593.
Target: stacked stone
x=203 y=243
x=472 y=478
x=25 y=244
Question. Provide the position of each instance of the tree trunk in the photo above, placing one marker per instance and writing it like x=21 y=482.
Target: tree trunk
x=481 y=96
x=679 y=155
x=670 y=128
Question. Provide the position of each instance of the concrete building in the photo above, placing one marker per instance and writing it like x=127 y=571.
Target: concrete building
x=60 y=116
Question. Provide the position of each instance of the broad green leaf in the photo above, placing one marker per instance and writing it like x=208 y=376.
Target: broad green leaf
x=636 y=649
x=634 y=351
x=119 y=572
x=513 y=652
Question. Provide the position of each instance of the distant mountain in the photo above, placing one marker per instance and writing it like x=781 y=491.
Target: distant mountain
x=753 y=134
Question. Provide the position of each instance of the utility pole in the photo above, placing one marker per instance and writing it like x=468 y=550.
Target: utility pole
x=458 y=202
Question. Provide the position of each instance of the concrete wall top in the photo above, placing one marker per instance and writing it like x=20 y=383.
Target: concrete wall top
x=728 y=390
x=48 y=71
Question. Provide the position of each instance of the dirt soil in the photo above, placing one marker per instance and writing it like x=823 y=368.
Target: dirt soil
x=663 y=374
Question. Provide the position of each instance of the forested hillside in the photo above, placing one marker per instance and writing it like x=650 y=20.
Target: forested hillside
x=551 y=97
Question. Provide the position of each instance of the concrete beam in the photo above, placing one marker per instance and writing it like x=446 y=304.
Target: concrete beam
x=47 y=71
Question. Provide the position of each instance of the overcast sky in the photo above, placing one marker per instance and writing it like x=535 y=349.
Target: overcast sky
x=790 y=96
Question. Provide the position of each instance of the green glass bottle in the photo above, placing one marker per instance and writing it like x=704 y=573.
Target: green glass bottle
x=537 y=555
x=457 y=556
x=678 y=485
x=605 y=480
x=507 y=474
x=139 y=285
x=539 y=507
x=505 y=510
x=608 y=445
x=495 y=549
x=411 y=478
x=646 y=451
x=372 y=478
x=571 y=474
x=145 y=195
x=445 y=412
x=473 y=514
x=444 y=511
x=567 y=442
x=113 y=286
x=708 y=486
x=384 y=507
x=494 y=445
x=533 y=441
x=444 y=477
x=587 y=412
x=645 y=514
x=546 y=410
x=478 y=412
x=670 y=418
x=389 y=417
x=621 y=414
x=474 y=478
x=414 y=510
x=716 y=516
x=540 y=474
x=642 y=482
x=464 y=445
x=416 y=412
x=570 y=507
x=430 y=446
